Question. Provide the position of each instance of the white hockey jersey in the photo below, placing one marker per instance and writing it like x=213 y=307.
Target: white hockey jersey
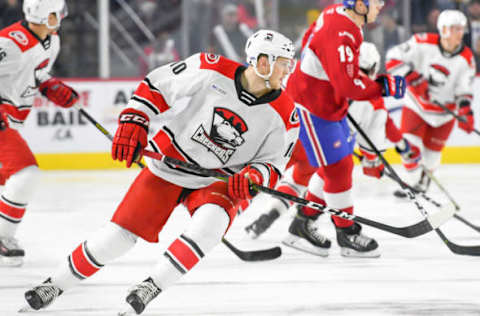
x=372 y=117
x=450 y=76
x=223 y=127
x=25 y=62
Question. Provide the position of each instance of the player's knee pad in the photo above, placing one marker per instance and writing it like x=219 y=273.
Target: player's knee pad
x=20 y=186
x=110 y=242
x=431 y=159
x=209 y=224
x=315 y=185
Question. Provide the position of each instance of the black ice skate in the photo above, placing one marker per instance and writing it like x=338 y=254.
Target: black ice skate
x=421 y=186
x=42 y=295
x=140 y=295
x=261 y=224
x=10 y=252
x=303 y=235
x=355 y=244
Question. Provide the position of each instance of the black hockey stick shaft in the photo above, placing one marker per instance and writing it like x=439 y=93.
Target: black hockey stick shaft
x=411 y=231
x=457 y=249
x=455 y=115
x=254 y=255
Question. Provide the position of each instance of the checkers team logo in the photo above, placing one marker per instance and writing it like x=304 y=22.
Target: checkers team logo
x=225 y=134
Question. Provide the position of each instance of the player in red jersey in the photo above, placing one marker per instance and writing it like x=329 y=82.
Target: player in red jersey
x=28 y=50
x=223 y=128
x=322 y=85
x=373 y=118
x=439 y=70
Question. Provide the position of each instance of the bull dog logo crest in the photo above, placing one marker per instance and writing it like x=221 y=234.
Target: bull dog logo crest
x=225 y=134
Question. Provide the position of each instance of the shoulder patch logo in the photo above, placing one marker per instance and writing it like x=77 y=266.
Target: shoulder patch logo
x=212 y=58
x=294 y=118
x=225 y=134
x=19 y=37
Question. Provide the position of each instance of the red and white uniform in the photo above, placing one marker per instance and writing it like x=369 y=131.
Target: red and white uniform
x=25 y=62
x=450 y=76
x=328 y=75
x=373 y=118
x=223 y=126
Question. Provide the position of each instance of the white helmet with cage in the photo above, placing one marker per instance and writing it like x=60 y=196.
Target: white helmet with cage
x=369 y=59
x=37 y=11
x=449 y=18
x=269 y=43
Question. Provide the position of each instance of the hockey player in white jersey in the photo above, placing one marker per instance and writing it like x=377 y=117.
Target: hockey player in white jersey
x=439 y=69
x=238 y=121
x=373 y=118
x=28 y=50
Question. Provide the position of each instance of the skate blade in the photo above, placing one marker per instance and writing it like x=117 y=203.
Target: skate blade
x=127 y=311
x=26 y=309
x=303 y=245
x=11 y=261
x=350 y=253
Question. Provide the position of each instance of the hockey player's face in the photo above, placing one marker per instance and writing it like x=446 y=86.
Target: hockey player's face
x=374 y=10
x=282 y=67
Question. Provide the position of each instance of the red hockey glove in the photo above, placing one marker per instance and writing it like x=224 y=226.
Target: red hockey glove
x=59 y=93
x=410 y=154
x=240 y=184
x=131 y=136
x=392 y=86
x=372 y=165
x=3 y=121
x=469 y=123
x=419 y=84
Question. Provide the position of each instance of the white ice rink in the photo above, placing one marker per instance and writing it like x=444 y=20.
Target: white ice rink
x=412 y=277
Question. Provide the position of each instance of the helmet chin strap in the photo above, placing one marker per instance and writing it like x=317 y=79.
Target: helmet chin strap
x=365 y=16
x=54 y=27
x=265 y=77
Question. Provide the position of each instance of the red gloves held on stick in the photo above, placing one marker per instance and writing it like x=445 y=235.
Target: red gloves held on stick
x=240 y=184
x=59 y=93
x=131 y=136
x=469 y=124
x=372 y=165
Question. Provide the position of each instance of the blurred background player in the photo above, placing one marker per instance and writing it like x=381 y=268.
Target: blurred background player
x=223 y=128
x=28 y=50
x=373 y=118
x=439 y=70
x=323 y=82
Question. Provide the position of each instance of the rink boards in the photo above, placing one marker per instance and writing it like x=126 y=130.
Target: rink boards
x=63 y=139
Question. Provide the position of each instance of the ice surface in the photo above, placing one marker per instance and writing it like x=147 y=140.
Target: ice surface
x=412 y=277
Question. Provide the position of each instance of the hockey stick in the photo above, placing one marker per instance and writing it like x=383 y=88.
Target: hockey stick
x=422 y=194
x=442 y=188
x=254 y=255
x=455 y=115
x=457 y=249
x=426 y=225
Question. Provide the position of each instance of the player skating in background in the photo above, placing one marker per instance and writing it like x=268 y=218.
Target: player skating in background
x=439 y=69
x=373 y=118
x=223 y=128
x=28 y=50
x=323 y=82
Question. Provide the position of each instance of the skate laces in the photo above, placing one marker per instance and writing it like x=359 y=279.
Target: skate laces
x=313 y=230
x=146 y=291
x=360 y=239
x=47 y=292
x=10 y=243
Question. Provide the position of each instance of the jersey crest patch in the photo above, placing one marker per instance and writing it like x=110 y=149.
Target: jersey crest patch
x=19 y=37
x=212 y=58
x=225 y=134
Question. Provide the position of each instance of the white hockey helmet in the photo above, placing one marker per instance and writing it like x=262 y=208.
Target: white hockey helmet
x=369 y=59
x=37 y=11
x=449 y=18
x=269 y=43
